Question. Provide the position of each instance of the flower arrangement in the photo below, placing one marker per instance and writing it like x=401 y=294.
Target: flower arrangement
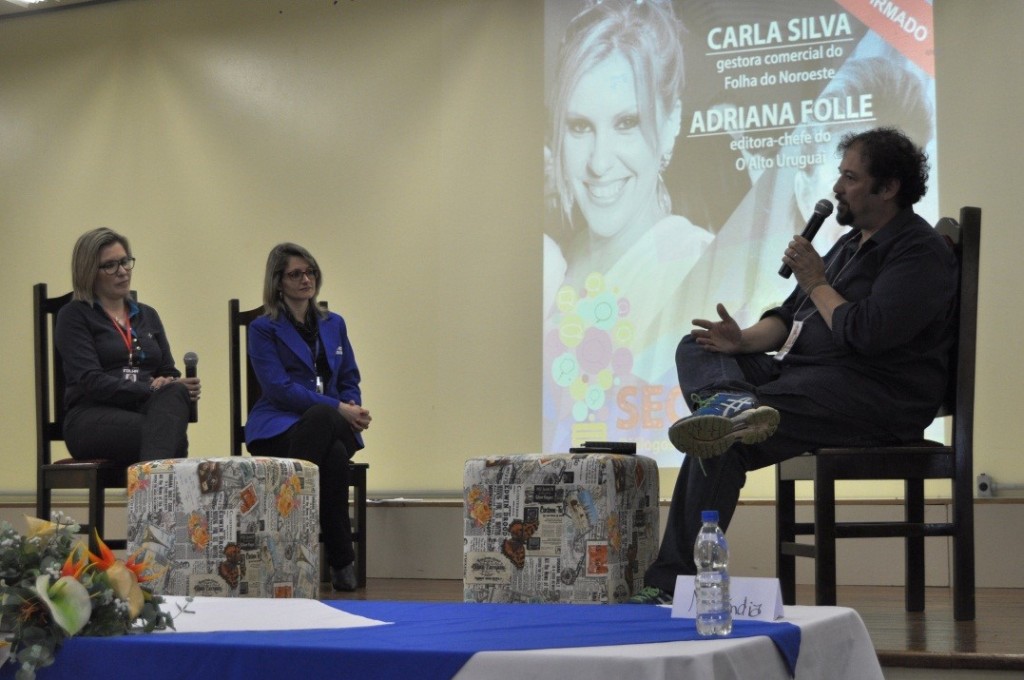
x=53 y=588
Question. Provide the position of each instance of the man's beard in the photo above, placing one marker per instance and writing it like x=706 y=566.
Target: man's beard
x=843 y=215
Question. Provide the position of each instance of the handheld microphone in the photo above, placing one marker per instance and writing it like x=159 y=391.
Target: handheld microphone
x=191 y=360
x=822 y=209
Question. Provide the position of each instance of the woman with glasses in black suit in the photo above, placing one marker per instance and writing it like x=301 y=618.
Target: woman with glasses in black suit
x=124 y=399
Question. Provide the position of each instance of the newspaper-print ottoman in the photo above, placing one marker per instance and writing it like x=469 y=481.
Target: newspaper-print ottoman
x=558 y=528
x=230 y=527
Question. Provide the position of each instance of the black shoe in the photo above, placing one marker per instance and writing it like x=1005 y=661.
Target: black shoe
x=344 y=578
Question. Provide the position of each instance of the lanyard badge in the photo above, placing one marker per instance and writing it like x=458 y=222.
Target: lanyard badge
x=790 y=341
x=131 y=343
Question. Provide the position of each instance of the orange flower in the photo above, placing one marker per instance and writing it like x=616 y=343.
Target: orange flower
x=123 y=579
x=76 y=563
x=106 y=558
x=145 y=569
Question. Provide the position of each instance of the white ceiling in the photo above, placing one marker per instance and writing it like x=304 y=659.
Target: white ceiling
x=9 y=7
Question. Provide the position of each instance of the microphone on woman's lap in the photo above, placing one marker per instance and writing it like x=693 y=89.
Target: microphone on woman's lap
x=191 y=359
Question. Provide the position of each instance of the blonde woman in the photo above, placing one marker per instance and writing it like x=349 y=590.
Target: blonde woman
x=124 y=400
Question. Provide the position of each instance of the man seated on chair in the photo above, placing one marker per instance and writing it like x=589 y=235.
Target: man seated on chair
x=861 y=349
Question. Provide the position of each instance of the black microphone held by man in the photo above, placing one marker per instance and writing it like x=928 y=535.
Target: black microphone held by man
x=822 y=209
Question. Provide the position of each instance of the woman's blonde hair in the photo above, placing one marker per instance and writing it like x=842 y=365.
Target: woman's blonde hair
x=649 y=36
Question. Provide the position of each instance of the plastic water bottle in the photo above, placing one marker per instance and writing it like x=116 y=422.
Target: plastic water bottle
x=711 y=554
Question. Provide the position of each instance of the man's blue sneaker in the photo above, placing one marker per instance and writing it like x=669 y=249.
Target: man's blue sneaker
x=720 y=421
x=651 y=595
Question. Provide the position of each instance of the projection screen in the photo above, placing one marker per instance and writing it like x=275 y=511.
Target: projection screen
x=685 y=147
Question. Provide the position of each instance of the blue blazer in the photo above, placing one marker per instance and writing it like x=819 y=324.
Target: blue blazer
x=285 y=368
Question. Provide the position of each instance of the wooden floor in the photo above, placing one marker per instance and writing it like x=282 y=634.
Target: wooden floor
x=931 y=639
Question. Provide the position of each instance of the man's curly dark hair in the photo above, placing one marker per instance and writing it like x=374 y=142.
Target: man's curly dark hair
x=890 y=154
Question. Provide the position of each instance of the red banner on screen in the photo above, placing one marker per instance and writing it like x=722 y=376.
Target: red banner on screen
x=906 y=25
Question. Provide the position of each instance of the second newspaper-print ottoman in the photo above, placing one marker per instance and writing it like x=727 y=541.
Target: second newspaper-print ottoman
x=558 y=528
x=236 y=526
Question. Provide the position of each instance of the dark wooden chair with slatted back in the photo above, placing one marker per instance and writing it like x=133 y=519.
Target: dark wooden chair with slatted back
x=911 y=463
x=95 y=475
x=238 y=326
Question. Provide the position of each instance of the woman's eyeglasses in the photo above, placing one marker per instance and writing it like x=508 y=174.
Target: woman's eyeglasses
x=111 y=267
x=297 y=274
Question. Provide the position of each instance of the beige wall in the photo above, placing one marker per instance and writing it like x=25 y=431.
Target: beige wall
x=399 y=141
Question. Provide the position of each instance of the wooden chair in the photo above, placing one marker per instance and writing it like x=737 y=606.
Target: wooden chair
x=96 y=475
x=238 y=326
x=912 y=463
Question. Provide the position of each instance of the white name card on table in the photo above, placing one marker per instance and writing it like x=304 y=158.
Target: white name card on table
x=757 y=599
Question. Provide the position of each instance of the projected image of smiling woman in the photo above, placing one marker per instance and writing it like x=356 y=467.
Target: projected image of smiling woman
x=616 y=110
x=616 y=115
x=612 y=169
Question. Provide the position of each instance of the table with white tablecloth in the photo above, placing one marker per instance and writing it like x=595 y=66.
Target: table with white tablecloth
x=228 y=638
x=834 y=645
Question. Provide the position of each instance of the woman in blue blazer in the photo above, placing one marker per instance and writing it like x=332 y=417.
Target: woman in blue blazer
x=311 y=404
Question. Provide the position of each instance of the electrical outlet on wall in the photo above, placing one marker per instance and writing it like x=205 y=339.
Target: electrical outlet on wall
x=985 y=486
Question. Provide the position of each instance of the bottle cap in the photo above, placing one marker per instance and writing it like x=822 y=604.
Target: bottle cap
x=709 y=516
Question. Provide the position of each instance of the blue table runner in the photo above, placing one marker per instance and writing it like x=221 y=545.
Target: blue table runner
x=428 y=640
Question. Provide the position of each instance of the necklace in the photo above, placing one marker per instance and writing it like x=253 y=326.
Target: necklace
x=119 y=316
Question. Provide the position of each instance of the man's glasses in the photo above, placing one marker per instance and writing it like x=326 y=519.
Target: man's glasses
x=297 y=274
x=111 y=267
